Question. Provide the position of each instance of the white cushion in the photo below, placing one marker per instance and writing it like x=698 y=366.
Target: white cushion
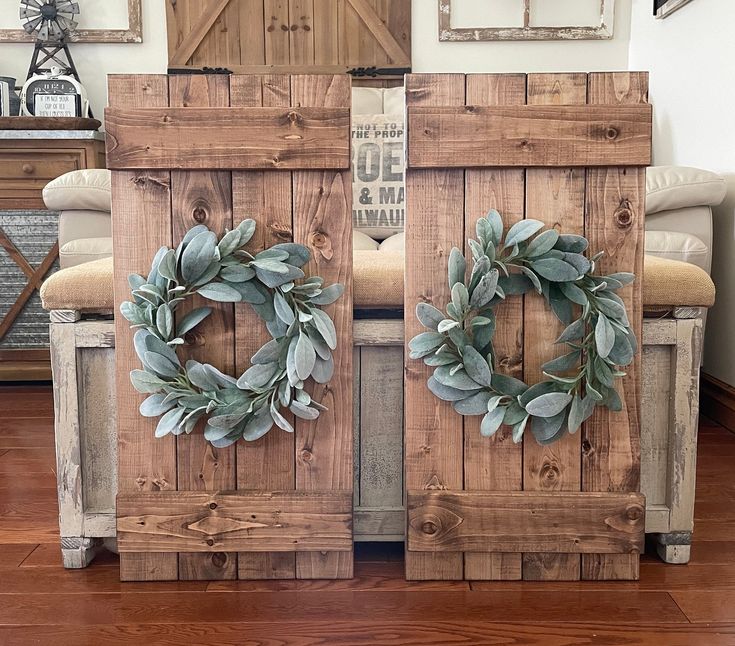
x=394 y=243
x=367 y=100
x=84 y=250
x=86 y=190
x=363 y=242
x=394 y=100
x=677 y=187
x=675 y=245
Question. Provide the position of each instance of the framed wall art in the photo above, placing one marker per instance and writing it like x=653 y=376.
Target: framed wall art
x=663 y=8
x=100 y=21
x=468 y=20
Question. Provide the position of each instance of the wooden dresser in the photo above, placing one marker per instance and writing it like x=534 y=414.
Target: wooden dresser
x=33 y=151
x=30 y=159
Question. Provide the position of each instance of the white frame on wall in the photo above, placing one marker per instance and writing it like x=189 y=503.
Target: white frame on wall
x=601 y=31
x=669 y=7
x=133 y=34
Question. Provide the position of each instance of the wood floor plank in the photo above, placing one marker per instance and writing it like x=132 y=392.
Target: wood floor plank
x=374 y=606
x=11 y=556
x=418 y=633
x=704 y=606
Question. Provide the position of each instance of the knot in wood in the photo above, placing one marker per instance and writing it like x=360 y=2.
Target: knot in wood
x=281 y=231
x=270 y=28
x=294 y=27
x=612 y=133
x=294 y=117
x=429 y=527
x=587 y=447
x=213 y=505
x=194 y=338
x=307 y=28
x=199 y=214
x=210 y=542
x=306 y=455
x=140 y=481
x=550 y=472
x=284 y=27
x=634 y=513
x=219 y=559
x=526 y=145
x=624 y=215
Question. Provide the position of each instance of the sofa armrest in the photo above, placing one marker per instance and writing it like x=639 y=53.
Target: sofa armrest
x=679 y=187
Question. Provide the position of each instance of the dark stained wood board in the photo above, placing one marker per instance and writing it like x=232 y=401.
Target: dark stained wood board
x=234 y=138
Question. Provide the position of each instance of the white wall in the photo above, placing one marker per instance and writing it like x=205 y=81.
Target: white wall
x=690 y=56
x=430 y=55
x=95 y=61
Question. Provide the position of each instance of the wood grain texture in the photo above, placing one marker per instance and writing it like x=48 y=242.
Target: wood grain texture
x=433 y=431
x=530 y=135
x=554 y=196
x=614 y=223
x=266 y=198
x=557 y=522
x=140 y=225
x=323 y=222
x=200 y=197
x=236 y=138
x=494 y=464
x=235 y=522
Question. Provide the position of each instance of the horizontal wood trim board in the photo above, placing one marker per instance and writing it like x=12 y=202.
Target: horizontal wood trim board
x=304 y=69
x=529 y=135
x=526 y=521
x=228 y=138
x=237 y=521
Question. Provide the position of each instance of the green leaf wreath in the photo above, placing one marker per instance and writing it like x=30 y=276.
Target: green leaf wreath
x=303 y=336
x=459 y=344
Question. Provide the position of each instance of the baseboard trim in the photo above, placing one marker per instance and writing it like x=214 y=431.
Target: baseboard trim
x=717 y=401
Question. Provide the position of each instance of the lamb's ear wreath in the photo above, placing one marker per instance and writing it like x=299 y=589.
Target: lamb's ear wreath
x=459 y=344
x=273 y=283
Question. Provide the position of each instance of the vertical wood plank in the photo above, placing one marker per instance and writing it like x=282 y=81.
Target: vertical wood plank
x=140 y=226
x=433 y=443
x=201 y=197
x=494 y=464
x=323 y=222
x=267 y=463
x=326 y=33
x=381 y=426
x=277 y=32
x=556 y=197
x=301 y=34
x=253 y=29
x=614 y=223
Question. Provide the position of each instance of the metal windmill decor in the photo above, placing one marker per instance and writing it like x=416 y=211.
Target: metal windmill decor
x=52 y=21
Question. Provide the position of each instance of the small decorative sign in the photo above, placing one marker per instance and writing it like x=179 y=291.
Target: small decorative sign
x=56 y=105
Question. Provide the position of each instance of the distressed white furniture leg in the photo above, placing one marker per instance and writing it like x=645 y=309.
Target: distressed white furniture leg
x=81 y=362
x=674 y=547
x=78 y=552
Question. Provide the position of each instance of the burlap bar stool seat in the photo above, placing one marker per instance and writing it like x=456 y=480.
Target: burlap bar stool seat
x=378 y=283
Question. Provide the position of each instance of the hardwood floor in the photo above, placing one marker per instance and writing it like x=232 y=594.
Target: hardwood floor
x=41 y=603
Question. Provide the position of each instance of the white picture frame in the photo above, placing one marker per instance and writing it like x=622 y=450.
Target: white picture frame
x=667 y=8
x=601 y=30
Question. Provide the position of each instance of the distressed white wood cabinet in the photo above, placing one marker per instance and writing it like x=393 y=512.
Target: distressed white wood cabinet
x=83 y=364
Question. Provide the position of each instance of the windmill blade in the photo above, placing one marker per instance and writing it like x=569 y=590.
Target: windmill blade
x=31 y=3
x=67 y=6
x=29 y=12
x=30 y=27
